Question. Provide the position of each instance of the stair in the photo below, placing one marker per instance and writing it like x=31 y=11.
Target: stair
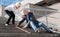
x=12 y=31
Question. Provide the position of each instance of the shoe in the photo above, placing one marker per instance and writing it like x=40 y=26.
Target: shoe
x=37 y=31
x=50 y=32
x=6 y=24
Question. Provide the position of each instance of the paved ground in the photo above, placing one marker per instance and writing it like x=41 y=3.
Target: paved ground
x=11 y=31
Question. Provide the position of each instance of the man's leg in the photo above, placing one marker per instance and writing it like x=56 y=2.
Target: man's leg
x=13 y=18
x=33 y=25
x=45 y=27
x=21 y=22
x=10 y=16
x=8 y=19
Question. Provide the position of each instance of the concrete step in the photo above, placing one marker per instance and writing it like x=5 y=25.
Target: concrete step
x=12 y=31
x=28 y=35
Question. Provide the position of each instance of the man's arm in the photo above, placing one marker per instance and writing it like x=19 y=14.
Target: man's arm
x=26 y=25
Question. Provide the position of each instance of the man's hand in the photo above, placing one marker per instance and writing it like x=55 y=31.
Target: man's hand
x=23 y=16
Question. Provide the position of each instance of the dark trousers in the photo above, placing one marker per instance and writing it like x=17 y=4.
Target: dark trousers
x=22 y=21
x=11 y=16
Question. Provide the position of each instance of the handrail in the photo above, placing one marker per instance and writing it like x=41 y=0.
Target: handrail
x=47 y=15
x=55 y=11
x=49 y=23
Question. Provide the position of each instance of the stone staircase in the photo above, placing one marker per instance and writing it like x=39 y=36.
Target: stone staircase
x=12 y=31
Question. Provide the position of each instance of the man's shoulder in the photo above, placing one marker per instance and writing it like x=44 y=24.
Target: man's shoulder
x=10 y=5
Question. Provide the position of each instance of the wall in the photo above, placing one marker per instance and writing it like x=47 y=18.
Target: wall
x=0 y=11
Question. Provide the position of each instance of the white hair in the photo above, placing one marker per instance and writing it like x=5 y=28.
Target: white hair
x=18 y=3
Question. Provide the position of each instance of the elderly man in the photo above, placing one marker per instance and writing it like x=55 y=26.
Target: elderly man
x=36 y=24
x=10 y=11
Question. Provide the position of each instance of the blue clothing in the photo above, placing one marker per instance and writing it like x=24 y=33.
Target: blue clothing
x=36 y=24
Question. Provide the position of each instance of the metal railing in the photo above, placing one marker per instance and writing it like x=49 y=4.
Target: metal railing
x=46 y=13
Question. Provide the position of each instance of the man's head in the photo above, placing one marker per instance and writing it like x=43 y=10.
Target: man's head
x=18 y=4
x=25 y=12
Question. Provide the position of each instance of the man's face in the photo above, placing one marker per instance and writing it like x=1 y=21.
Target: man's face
x=25 y=12
x=18 y=6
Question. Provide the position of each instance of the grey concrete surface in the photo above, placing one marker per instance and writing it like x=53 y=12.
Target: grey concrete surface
x=11 y=31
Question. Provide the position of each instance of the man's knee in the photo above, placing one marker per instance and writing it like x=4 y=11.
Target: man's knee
x=13 y=15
